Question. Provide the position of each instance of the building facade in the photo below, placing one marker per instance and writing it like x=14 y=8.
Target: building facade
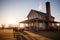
x=40 y=21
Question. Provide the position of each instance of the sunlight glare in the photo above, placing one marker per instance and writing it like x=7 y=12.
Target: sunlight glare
x=58 y=24
x=22 y=25
x=11 y=21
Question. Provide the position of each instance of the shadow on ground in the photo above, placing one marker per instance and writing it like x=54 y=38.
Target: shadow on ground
x=49 y=34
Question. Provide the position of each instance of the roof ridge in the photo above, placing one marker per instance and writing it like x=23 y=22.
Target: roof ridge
x=37 y=11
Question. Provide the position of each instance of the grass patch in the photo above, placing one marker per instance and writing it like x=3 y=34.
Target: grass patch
x=6 y=34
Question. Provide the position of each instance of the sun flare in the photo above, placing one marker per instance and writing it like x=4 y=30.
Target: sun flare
x=11 y=21
x=21 y=25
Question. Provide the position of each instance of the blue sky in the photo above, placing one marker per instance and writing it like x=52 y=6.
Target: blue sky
x=19 y=9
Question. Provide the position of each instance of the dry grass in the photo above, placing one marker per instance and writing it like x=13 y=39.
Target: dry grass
x=6 y=34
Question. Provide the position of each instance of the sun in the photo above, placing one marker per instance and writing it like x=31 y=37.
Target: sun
x=11 y=21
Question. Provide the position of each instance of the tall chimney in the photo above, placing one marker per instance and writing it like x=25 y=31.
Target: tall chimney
x=48 y=14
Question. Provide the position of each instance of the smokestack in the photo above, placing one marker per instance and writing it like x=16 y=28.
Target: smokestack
x=48 y=14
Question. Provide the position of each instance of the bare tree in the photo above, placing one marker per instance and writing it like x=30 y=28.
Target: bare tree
x=3 y=25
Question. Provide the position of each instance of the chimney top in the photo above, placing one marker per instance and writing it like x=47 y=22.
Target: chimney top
x=48 y=14
x=47 y=2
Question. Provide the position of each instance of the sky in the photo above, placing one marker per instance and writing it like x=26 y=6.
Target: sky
x=19 y=9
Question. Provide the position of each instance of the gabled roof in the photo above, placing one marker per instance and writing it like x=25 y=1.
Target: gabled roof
x=37 y=12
